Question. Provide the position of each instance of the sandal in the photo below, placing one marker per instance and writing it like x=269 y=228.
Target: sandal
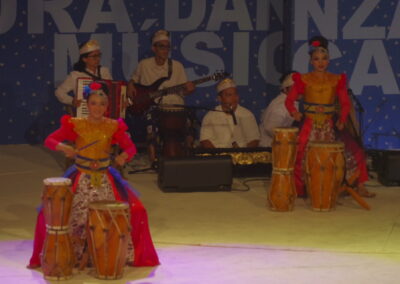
x=363 y=192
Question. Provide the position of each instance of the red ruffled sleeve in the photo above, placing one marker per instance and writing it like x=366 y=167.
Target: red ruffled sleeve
x=296 y=90
x=65 y=132
x=343 y=97
x=121 y=138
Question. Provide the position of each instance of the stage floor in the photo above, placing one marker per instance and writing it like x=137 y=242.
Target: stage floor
x=217 y=237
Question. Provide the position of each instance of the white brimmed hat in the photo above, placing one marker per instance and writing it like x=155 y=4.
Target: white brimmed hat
x=160 y=35
x=89 y=46
x=225 y=84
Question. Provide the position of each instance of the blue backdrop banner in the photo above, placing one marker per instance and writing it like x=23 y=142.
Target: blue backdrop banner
x=40 y=39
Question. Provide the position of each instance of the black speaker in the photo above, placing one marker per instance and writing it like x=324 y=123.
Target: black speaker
x=388 y=171
x=195 y=174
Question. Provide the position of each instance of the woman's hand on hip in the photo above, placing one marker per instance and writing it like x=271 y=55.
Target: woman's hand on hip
x=297 y=115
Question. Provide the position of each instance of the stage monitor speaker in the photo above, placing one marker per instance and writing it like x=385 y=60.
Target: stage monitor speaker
x=195 y=174
x=389 y=174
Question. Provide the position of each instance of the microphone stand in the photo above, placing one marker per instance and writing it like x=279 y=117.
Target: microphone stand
x=232 y=113
x=354 y=97
x=358 y=134
x=360 y=110
x=359 y=138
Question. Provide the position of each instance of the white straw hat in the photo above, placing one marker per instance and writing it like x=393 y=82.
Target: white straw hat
x=160 y=35
x=90 y=46
x=225 y=84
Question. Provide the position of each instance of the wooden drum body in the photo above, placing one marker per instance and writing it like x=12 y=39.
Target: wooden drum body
x=325 y=171
x=57 y=255
x=57 y=203
x=284 y=148
x=282 y=193
x=109 y=233
x=172 y=127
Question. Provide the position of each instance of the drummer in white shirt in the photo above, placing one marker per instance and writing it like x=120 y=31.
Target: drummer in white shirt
x=276 y=114
x=88 y=65
x=229 y=125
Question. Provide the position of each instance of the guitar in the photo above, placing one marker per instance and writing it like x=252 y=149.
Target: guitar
x=145 y=95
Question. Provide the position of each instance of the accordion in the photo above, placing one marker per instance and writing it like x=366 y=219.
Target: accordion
x=116 y=97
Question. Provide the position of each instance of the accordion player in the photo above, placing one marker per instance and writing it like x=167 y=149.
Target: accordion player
x=116 y=97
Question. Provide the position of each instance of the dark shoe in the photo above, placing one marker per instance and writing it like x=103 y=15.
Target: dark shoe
x=154 y=165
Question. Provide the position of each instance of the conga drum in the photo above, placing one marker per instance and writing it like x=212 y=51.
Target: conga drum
x=282 y=192
x=284 y=148
x=57 y=255
x=109 y=233
x=172 y=129
x=325 y=171
x=57 y=203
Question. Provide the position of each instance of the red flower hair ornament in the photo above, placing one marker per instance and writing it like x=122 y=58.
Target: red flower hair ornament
x=316 y=43
x=93 y=87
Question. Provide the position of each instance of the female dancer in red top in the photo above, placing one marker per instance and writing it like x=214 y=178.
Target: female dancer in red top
x=321 y=90
x=93 y=179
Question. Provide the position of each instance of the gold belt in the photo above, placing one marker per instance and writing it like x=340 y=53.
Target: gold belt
x=319 y=113
x=320 y=109
x=96 y=165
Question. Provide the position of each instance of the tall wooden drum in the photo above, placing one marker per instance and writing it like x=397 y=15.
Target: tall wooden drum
x=109 y=233
x=57 y=256
x=282 y=192
x=325 y=171
x=284 y=148
x=172 y=130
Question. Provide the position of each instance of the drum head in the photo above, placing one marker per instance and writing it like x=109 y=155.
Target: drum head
x=326 y=144
x=286 y=129
x=108 y=205
x=57 y=181
x=170 y=108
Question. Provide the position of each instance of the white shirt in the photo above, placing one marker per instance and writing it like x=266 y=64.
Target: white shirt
x=219 y=128
x=148 y=71
x=69 y=84
x=275 y=115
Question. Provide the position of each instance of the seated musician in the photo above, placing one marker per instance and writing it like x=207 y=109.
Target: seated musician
x=88 y=65
x=276 y=114
x=230 y=125
x=148 y=71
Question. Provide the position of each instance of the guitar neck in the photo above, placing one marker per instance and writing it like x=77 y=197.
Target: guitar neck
x=177 y=88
